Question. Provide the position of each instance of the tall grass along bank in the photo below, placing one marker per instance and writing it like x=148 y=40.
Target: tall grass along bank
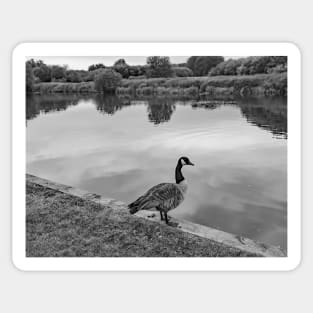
x=247 y=85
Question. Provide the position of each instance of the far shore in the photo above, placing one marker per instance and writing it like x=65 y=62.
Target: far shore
x=242 y=86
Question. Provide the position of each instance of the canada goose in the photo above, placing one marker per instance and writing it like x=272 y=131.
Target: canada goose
x=165 y=196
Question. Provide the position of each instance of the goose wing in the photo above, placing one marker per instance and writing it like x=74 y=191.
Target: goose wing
x=167 y=196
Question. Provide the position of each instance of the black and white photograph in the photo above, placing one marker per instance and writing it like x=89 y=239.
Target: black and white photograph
x=156 y=156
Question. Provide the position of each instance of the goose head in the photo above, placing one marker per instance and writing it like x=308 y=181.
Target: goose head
x=185 y=161
x=178 y=173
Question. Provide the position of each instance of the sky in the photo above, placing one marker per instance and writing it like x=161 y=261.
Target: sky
x=83 y=62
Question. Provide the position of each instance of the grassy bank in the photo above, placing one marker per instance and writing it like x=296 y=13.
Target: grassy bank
x=59 y=225
x=246 y=85
x=58 y=87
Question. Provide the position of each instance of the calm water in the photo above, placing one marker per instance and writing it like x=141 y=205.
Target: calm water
x=120 y=147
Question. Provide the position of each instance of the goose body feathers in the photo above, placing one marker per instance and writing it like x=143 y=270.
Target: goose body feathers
x=165 y=196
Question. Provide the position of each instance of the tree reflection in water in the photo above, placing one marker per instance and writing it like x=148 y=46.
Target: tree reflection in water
x=267 y=113
x=160 y=110
x=36 y=104
x=109 y=104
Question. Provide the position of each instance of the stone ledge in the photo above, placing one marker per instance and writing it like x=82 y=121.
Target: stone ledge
x=235 y=241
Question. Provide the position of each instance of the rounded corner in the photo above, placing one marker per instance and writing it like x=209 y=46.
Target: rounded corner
x=19 y=49
x=295 y=264
x=17 y=265
x=294 y=48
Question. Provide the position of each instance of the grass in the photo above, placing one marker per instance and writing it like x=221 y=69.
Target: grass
x=60 y=225
x=59 y=87
x=245 y=85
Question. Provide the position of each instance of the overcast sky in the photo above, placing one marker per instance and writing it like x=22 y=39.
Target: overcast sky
x=82 y=63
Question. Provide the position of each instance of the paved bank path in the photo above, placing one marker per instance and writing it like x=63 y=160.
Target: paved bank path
x=60 y=224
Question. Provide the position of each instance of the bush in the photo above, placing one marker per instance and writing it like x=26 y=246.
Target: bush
x=251 y=65
x=180 y=71
x=191 y=91
x=145 y=91
x=107 y=81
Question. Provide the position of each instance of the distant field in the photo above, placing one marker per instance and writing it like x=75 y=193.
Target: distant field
x=246 y=85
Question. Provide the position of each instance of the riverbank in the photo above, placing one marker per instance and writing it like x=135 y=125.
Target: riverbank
x=242 y=86
x=62 y=221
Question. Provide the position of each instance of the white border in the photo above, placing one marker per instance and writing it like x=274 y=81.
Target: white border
x=155 y=264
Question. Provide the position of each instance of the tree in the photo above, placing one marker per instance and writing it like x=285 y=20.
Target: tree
x=73 y=76
x=43 y=72
x=191 y=62
x=120 y=62
x=107 y=80
x=58 y=72
x=29 y=77
x=159 y=67
x=95 y=67
x=201 y=65
x=121 y=67
x=251 y=65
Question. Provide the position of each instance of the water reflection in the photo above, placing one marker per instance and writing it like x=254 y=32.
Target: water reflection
x=119 y=147
x=160 y=110
x=48 y=103
x=267 y=113
x=110 y=104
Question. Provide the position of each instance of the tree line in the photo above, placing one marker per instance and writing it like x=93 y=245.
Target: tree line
x=106 y=78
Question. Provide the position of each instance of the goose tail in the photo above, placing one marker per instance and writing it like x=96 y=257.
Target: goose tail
x=141 y=203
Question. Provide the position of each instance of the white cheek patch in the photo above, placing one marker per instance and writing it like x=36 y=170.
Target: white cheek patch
x=183 y=162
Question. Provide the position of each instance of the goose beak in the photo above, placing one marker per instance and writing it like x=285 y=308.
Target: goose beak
x=191 y=164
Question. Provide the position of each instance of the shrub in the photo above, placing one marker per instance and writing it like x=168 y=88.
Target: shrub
x=180 y=71
x=145 y=91
x=107 y=80
x=161 y=91
x=191 y=91
x=251 y=65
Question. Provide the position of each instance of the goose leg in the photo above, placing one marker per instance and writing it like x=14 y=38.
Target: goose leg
x=166 y=218
x=174 y=224
x=161 y=214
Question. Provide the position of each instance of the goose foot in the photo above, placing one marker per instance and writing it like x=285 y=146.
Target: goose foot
x=151 y=215
x=173 y=224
